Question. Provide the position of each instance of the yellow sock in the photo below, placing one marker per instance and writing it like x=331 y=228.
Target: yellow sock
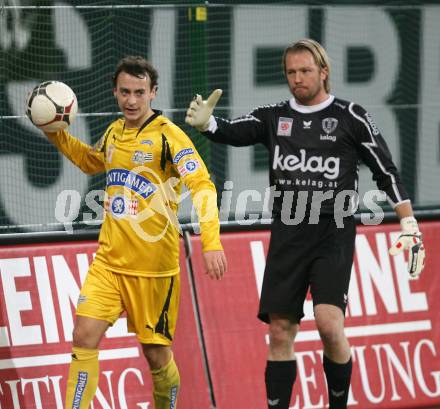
x=83 y=378
x=166 y=383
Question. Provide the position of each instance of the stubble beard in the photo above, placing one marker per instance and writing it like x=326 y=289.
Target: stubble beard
x=306 y=98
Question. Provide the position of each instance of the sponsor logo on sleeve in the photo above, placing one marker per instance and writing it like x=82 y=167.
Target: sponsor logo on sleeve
x=182 y=153
x=190 y=166
x=373 y=126
x=284 y=126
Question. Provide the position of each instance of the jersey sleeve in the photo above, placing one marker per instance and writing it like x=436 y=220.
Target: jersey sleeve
x=374 y=152
x=89 y=159
x=191 y=168
x=242 y=131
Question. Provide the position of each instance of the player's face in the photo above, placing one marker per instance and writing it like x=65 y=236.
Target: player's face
x=305 y=78
x=134 y=97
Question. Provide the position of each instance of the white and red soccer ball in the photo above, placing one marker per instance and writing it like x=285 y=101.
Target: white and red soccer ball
x=52 y=106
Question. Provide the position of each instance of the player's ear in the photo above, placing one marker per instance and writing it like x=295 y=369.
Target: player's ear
x=324 y=73
x=153 y=92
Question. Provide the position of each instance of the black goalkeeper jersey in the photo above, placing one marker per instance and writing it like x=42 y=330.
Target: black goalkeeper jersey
x=315 y=152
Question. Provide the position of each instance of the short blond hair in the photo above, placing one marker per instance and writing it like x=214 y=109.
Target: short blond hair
x=318 y=52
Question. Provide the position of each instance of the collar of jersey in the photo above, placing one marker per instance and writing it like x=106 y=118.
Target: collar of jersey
x=306 y=109
x=142 y=127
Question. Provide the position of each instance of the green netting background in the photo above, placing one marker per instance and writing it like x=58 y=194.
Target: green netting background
x=384 y=57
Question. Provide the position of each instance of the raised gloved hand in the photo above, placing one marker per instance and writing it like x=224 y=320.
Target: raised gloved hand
x=200 y=111
x=410 y=239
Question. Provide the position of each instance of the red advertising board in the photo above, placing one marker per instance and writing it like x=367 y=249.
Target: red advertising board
x=39 y=287
x=392 y=324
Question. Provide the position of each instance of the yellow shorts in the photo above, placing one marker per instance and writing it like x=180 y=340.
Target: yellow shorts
x=151 y=303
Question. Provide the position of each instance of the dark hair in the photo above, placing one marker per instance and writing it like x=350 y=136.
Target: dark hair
x=138 y=67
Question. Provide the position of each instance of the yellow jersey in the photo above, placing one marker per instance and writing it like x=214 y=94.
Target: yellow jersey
x=145 y=168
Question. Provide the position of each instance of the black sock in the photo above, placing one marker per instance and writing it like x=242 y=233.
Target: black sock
x=280 y=377
x=338 y=382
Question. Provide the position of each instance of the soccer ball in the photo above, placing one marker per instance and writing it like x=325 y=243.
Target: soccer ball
x=52 y=106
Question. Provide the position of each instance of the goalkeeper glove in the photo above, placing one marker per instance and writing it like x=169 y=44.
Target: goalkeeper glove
x=200 y=111
x=410 y=239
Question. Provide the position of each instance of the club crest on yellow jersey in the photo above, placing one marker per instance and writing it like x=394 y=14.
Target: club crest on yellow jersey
x=141 y=157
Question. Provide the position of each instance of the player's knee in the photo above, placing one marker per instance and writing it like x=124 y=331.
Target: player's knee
x=330 y=323
x=331 y=333
x=79 y=338
x=157 y=355
x=84 y=338
x=281 y=332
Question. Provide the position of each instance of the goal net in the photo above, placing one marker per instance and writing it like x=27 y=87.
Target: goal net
x=383 y=57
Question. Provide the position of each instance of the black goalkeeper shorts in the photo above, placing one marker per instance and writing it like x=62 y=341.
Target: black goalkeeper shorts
x=316 y=256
